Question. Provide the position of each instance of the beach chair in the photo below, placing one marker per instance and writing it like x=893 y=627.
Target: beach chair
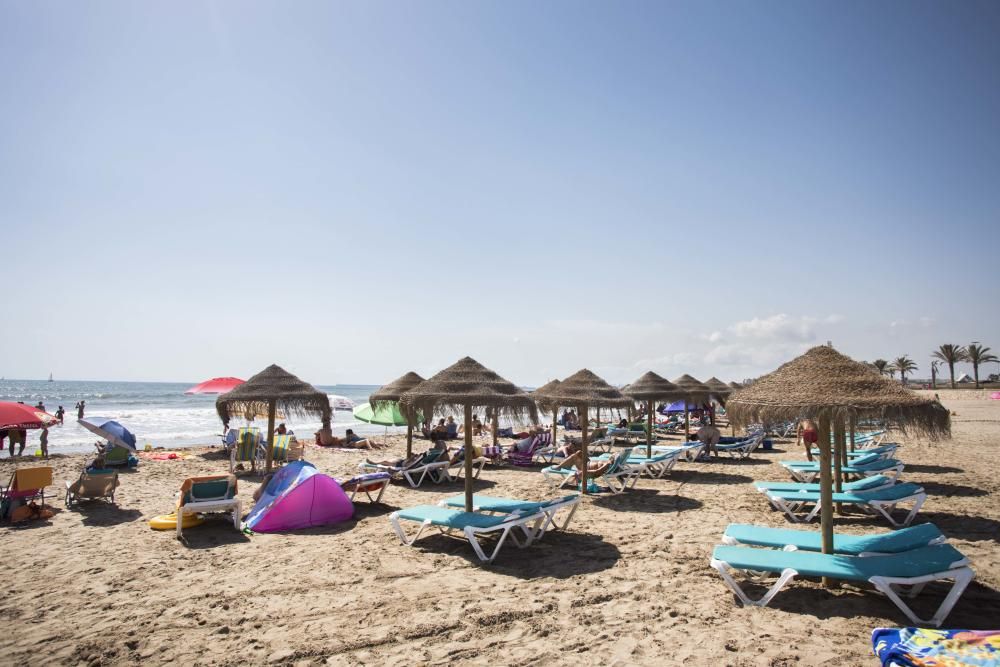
x=473 y=525
x=25 y=485
x=498 y=505
x=885 y=451
x=895 y=541
x=742 y=449
x=119 y=457
x=367 y=483
x=689 y=451
x=808 y=472
x=526 y=457
x=863 y=484
x=247 y=449
x=889 y=573
x=457 y=469
x=619 y=476
x=200 y=495
x=433 y=465
x=655 y=466
x=279 y=450
x=883 y=501
x=92 y=485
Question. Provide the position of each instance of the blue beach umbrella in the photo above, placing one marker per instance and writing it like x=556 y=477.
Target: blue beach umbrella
x=110 y=430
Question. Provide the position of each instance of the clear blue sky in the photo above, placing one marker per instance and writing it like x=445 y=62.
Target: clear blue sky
x=354 y=190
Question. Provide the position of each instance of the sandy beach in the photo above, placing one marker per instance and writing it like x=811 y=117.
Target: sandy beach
x=629 y=583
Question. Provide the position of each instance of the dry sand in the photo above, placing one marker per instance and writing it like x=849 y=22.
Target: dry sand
x=628 y=583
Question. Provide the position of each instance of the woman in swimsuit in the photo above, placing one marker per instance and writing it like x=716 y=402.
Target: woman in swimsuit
x=808 y=434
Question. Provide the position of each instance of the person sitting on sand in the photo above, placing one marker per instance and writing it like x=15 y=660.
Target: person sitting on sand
x=477 y=426
x=808 y=434
x=452 y=428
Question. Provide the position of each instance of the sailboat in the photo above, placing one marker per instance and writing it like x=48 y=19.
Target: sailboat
x=50 y=377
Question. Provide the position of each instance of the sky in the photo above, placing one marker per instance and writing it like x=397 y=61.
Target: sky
x=354 y=190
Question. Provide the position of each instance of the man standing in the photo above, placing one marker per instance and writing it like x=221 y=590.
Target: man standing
x=79 y=409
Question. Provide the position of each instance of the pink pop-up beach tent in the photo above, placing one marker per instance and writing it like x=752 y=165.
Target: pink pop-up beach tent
x=299 y=496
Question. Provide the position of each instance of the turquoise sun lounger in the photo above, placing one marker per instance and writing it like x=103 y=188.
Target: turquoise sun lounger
x=883 y=501
x=495 y=504
x=863 y=484
x=888 y=573
x=472 y=524
x=896 y=541
x=804 y=471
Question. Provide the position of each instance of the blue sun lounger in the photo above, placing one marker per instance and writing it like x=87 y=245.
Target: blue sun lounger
x=883 y=451
x=619 y=476
x=863 y=484
x=888 y=573
x=473 y=525
x=805 y=471
x=883 y=501
x=896 y=541
x=498 y=505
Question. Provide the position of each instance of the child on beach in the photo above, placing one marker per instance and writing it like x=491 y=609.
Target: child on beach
x=43 y=438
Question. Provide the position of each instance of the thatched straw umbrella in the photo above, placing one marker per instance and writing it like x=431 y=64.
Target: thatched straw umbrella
x=462 y=386
x=271 y=390
x=734 y=386
x=390 y=393
x=719 y=392
x=693 y=390
x=584 y=390
x=829 y=387
x=652 y=388
x=540 y=397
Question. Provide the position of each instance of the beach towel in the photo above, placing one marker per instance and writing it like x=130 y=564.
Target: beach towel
x=924 y=647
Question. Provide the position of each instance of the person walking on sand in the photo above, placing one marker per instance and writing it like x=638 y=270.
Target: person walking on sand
x=79 y=409
x=807 y=433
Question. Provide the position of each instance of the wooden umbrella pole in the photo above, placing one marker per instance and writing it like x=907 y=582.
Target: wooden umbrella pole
x=649 y=429
x=687 y=420
x=468 y=458
x=583 y=449
x=409 y=439
x=826 y=490
x=851 y=425
x=271 y=409
x=496 y=427
x=838 y=445
x=555 y=424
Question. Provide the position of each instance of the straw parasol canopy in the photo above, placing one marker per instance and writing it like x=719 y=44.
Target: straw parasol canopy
x=391 y=392
x=459 y=388
x=825 y=384
x=584 y=390
x=692 y=389
x=271 y=390
x=718 y=387
x=541 y=395
x=467 y=382
x=651 y=388
x=734 y=386
x=387 y=396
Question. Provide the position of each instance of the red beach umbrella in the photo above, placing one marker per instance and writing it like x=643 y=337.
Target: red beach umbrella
x=215 y=386
x=19 y=415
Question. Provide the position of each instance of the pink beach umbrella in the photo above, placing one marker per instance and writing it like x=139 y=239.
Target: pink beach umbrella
x=215 y=386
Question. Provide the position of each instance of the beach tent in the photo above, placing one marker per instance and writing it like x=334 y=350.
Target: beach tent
x=299 y=496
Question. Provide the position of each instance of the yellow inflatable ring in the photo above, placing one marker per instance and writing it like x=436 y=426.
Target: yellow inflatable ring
x=169 y=521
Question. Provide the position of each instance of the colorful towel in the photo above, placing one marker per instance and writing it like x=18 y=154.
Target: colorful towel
x=924 y=647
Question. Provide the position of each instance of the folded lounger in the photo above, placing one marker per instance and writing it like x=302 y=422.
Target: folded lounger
x=883 y=451
x=883 y=501
x=472 y=524
x=367 y=483
x=431 y=466
x=494 y=504
x=690 y=451
x=896 y=541
x=863 y=484
x=655 y=466
x=619 y=475
x=92 y=485
x=742 y=449
x=216 y=493
x=888 y=573
x=809 y=473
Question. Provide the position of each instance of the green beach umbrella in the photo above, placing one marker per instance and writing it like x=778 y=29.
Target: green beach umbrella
x=387 y=414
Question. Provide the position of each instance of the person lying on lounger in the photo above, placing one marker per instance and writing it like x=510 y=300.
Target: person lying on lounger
x=595 y=468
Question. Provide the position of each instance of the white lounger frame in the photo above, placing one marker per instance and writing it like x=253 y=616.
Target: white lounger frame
x=410 y=474
x=228 y=505
x=478 y=464
x=959 y=572
x=809 y=476
x=473 y=533
x=883 y=507
x=367 y=492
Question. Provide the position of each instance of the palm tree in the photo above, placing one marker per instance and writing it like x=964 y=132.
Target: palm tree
x=934 y=372
x=880 y=365
x=890 y=370
x=978 y=354
x=951 y=355
x=904 y=365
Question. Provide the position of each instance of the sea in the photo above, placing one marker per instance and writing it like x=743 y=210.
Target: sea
x=159 y=414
